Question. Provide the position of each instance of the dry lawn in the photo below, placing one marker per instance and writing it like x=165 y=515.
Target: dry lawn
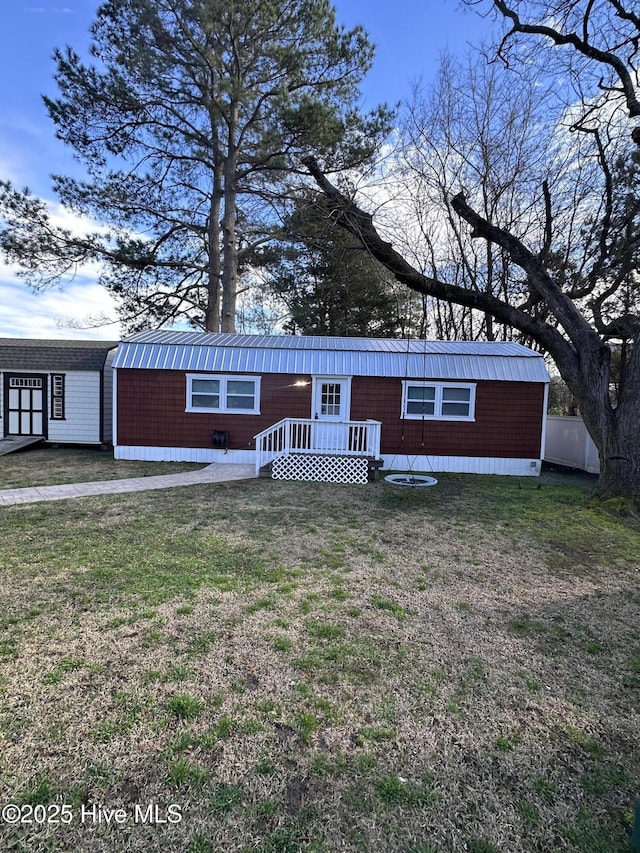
x=50 y=466
x=309 y=667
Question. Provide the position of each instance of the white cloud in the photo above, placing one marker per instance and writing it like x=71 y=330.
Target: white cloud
x=59 y=312
x=66 y=311
x=80 y=226
x=40 y=10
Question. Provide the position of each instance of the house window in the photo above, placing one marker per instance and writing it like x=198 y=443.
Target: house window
x=238 y=395
x=57 y=397
x=438 y=401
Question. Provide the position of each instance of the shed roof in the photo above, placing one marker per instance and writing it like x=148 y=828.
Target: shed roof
x=38 y=354
x=330 y=356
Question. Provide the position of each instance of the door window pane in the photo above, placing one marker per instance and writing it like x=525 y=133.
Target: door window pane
x=330 y=399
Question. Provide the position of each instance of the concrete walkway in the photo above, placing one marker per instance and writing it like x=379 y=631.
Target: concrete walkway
x=214 y=473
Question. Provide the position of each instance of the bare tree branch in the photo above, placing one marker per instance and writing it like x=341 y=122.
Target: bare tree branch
x=360 y=223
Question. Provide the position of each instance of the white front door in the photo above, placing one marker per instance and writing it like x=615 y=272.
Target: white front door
x=331 y=398
x=330 y=407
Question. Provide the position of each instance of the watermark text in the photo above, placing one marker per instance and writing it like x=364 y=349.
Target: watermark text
x=95 y=814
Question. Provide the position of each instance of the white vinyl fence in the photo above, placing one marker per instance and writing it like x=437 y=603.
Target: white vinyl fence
x=569 y=443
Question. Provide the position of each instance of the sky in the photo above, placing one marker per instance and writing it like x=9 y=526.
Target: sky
x=410 y=36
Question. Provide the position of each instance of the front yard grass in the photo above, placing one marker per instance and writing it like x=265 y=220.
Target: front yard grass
x=312 y=667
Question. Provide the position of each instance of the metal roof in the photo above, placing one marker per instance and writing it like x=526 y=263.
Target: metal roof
x=331 y=356
x=38 y=354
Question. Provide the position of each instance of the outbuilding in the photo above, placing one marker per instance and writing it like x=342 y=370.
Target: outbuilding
x=60 y=390
x=418 y=405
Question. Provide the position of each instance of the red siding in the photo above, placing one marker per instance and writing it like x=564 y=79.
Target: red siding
x=151 y=410
x=508 y=421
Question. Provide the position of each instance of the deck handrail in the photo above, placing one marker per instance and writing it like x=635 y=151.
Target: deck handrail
x=306 y=435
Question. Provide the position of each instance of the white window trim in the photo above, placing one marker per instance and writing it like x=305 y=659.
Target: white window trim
x=437 y=408
x=223 y=379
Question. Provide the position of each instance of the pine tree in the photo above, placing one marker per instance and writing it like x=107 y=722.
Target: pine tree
x=190 y=121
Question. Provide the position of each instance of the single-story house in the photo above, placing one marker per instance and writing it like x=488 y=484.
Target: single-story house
x=58 y=389
x=418 y=405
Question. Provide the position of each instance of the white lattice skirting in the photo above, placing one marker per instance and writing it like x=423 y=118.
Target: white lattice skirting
x=320 y=469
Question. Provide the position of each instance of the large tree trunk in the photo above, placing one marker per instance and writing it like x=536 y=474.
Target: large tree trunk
x=620 y=448
x=615 y=433
x=614 y=426
x=619 y=456
x=212 y=310
x=230 y=262
x=229 y=237
x=214 y=271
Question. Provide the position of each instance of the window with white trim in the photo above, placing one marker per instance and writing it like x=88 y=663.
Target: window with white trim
x=235 y=395
x=443 y=401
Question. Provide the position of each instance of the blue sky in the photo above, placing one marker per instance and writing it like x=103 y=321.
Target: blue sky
x=410 y=35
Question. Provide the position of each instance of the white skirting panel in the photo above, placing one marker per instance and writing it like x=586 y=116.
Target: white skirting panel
x=395 y=462
x=463 y=465
x=184 y=454
x=320 y=469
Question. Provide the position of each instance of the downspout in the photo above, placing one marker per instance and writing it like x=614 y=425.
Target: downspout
x=543 y=438
x=114 y=413
x=101 y=413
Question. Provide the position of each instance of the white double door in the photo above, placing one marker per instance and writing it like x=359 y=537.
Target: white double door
x=330 y=409
x=25 y=404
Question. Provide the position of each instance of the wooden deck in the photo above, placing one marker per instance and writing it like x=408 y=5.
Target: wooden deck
x=321 y=438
